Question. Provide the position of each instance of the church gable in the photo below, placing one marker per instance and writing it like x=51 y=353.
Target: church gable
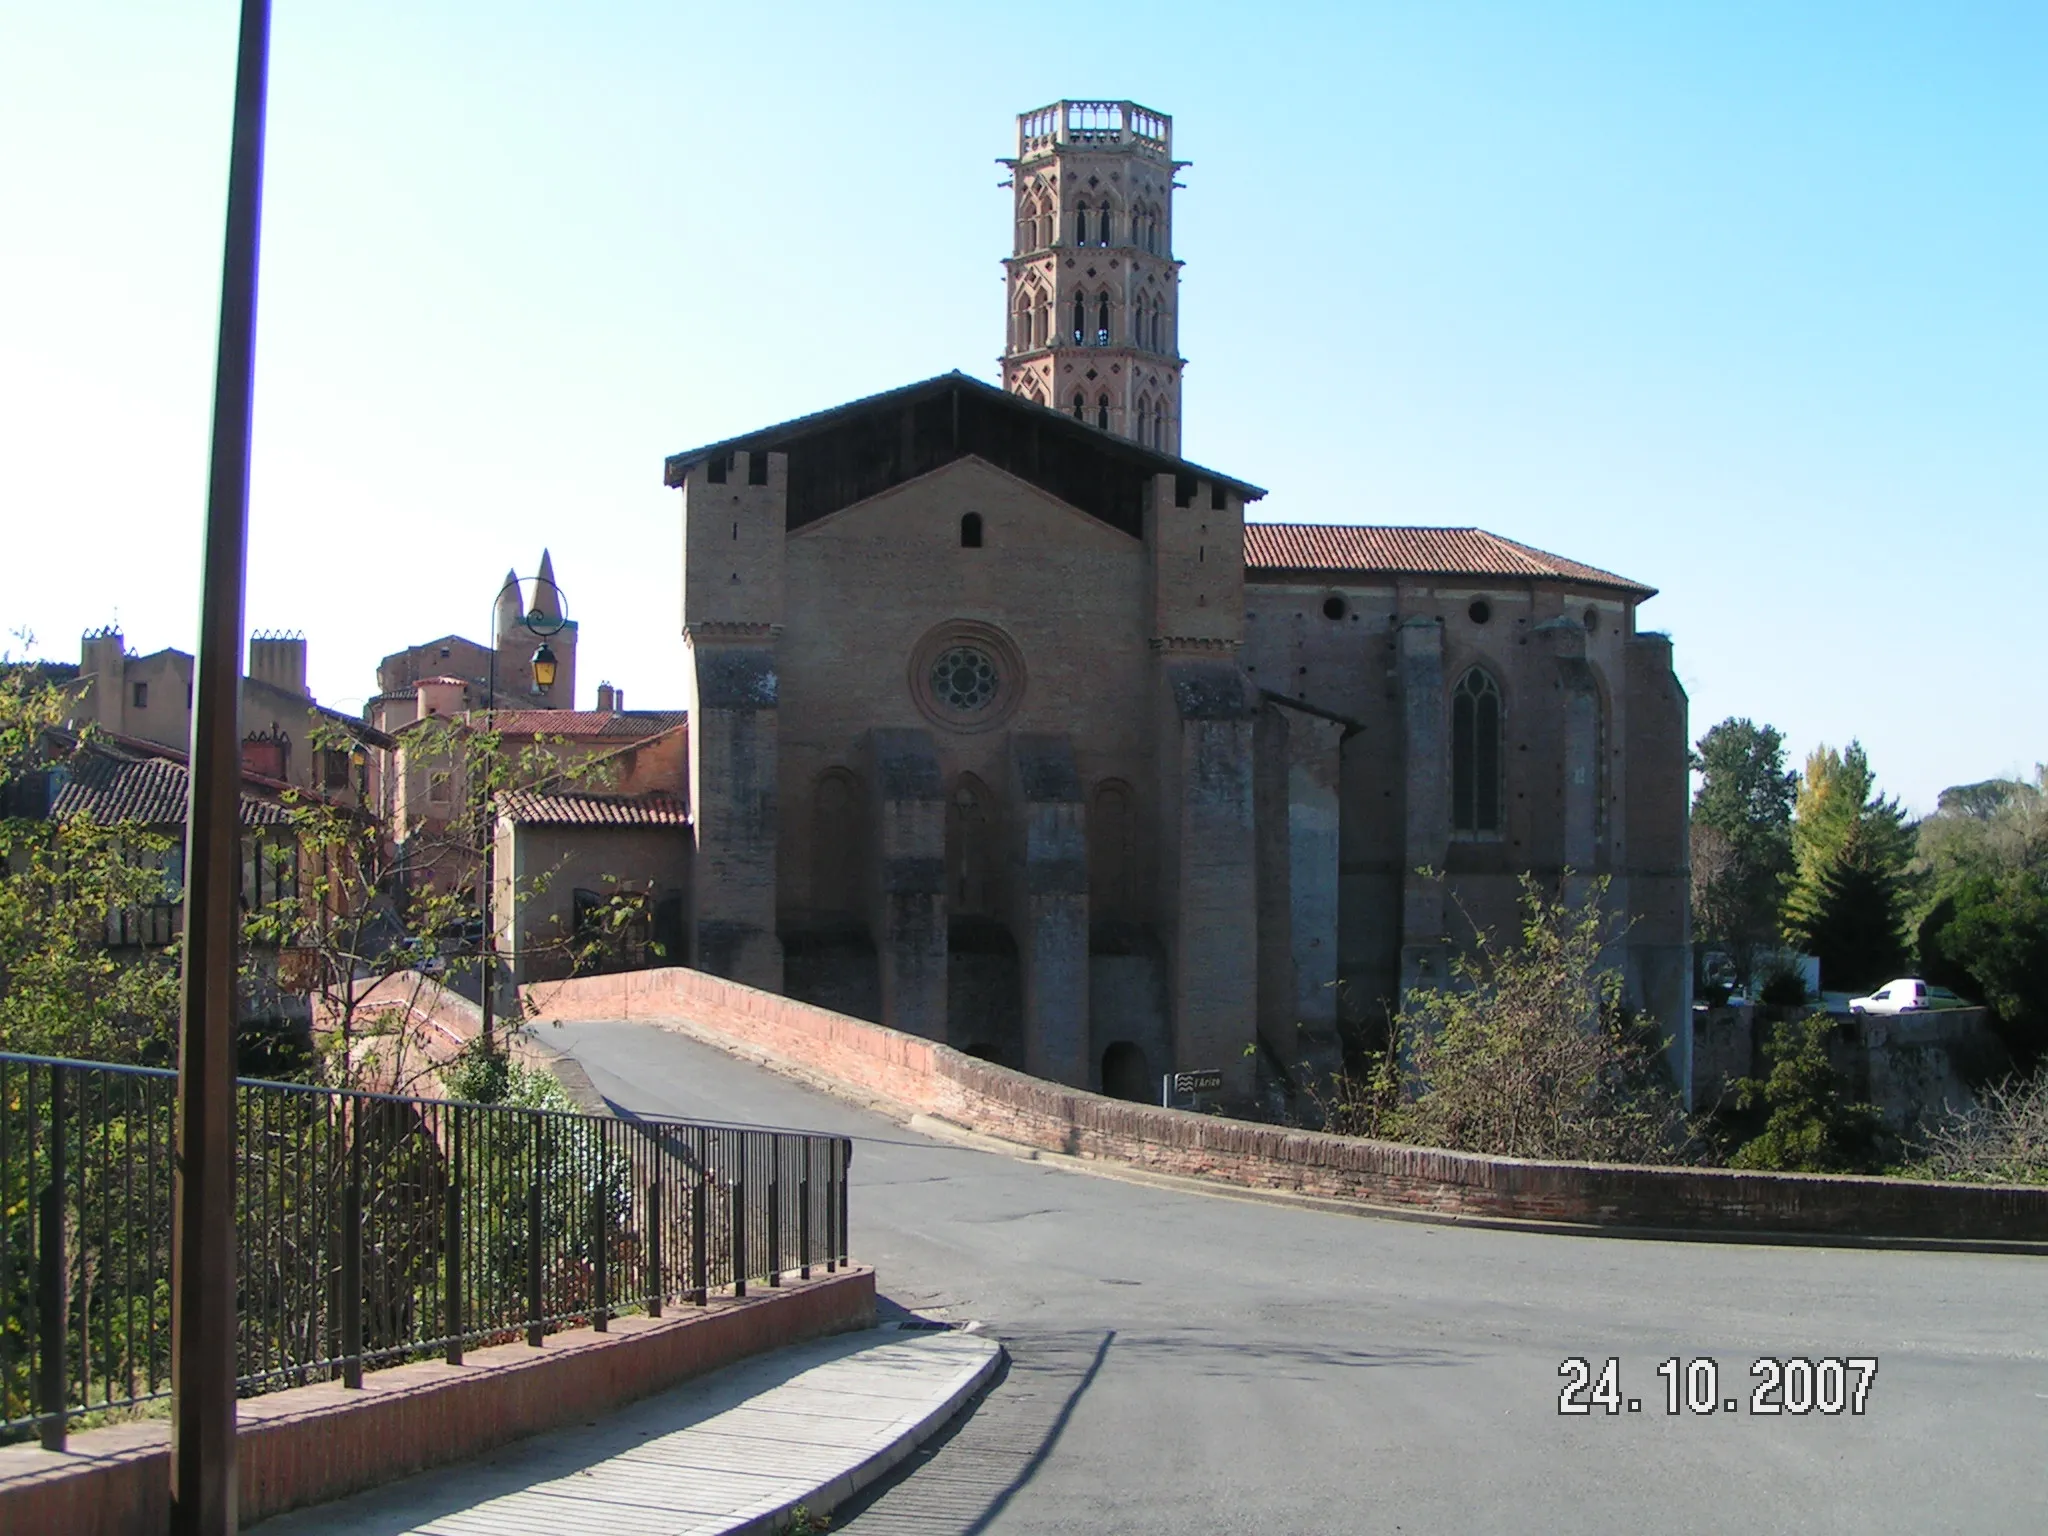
x=858 y=451
x=968 y=504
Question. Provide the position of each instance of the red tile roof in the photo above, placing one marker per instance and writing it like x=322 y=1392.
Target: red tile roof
x=636 y=725
x=572 y=809
x=1347 y=549
x=153 y=791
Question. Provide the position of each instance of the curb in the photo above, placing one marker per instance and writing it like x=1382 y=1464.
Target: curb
x=830 y=1495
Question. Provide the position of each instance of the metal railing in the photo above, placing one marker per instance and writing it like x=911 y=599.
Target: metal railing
x=372 y=1228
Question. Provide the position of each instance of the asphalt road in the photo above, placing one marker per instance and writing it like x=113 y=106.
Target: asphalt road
x=1184 y=1363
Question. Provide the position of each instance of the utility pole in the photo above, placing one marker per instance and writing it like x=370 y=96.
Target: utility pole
x=203 y=1478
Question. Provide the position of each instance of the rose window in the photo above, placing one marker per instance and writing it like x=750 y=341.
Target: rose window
x=964 y=678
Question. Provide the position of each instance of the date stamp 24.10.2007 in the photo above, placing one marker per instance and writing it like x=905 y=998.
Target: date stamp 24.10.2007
x=1795 y=1385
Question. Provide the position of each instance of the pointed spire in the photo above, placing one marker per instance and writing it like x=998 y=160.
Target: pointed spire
x=511 y=606
x=545 y=598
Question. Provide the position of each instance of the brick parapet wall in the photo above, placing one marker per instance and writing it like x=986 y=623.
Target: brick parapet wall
x=312 y=1444
x=919 y=1076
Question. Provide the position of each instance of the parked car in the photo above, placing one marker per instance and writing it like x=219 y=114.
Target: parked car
x=1905 y=995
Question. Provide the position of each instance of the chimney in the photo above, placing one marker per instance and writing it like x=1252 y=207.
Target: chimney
x=607 y=699
x=280 y=660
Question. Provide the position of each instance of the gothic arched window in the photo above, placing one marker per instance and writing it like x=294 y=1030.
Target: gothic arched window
x=1140 y=308
x=1475 y=754
x=1081 y=225
x=1159 y=426
x=1080 y=319
x=1102 y=412
x=1158 y=329
x=1141 y=418
x=1080 y=407
x=1102 y=319
x=1102 y=228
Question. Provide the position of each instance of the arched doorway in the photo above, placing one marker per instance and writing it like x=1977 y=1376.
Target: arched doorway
x=1126 y=1074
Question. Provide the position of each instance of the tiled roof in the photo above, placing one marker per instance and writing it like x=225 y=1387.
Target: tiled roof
x=107 y=789
x=1343 y=548
x=634 y=725
x=571 y=809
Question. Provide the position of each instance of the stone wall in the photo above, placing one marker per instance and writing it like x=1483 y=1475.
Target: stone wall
x=913 y=1076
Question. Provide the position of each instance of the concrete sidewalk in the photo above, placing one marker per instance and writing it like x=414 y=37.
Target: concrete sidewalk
x=732 y=1452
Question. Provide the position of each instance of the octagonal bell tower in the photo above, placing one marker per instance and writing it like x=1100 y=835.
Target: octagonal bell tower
x=1093 y=287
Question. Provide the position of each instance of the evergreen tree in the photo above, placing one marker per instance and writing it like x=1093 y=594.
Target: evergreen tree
x=1846 y=901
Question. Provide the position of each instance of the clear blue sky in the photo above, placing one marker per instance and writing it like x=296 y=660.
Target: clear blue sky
x=1744 y=301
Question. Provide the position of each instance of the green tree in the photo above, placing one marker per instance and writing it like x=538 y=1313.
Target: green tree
x=1847 y=895
x=62 y=990
x=1530 y=1052
x=1741 y=841
x=1984 y=857
x=1810 y=1126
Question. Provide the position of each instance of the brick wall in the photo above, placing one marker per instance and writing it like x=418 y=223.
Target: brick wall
x=312 y=1444
x=921 y=1076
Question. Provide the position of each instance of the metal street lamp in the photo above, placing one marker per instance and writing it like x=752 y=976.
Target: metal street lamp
x=541 y=624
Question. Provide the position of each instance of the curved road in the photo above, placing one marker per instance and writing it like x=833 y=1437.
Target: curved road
x=1184 y=1363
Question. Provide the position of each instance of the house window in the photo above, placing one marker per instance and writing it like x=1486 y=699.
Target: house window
x=1475 y=755
x=141 y=695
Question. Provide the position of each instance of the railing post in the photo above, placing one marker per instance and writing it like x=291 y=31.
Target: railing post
x=774 y=1211
x=352 y=1263
x=803 y=1213
x=845 y=1178
x=600 y=1240
x=52 y=1281
x=535 y=1311
x=832 y=1209
x=654 y=1274
x=453 y=1265
x=700 y=1288
x=739 y=1229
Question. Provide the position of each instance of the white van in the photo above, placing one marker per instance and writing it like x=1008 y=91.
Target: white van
x=1903 y=996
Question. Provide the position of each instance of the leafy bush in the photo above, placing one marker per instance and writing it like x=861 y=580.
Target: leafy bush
x=1530 y=1051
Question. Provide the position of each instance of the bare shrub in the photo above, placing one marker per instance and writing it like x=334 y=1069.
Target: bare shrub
x=2003 y=1140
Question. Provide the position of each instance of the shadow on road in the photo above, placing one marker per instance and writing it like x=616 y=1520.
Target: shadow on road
x=967 y=1474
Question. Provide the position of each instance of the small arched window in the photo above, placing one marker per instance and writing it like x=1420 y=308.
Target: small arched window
x=1080 y=407
x=1081 y=225
x=1475 y=755
x=1102 y=319
x=1102 y=227
x=1158 y=330
x=1102 y=411
x=1141 y=419
x=970 y=530
x=1080 y=319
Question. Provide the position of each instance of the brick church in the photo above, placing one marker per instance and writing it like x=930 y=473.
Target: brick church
x=1009 y=728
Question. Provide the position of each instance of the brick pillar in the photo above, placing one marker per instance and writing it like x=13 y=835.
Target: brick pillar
x=1207 y=846
x=733 y=739
x=1049 y=905
x=1419 y=662
x=907 y=892
x=1658 y=848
